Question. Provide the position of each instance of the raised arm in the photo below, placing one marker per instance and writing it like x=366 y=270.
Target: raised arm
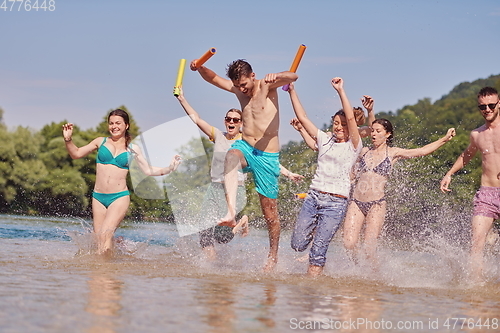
x=310 y=142
x=275 y=80
x=202 y=124
x=301 y=114
x=338 y=85
x=461 y=162
x=211 y=77
x=427 y=149
x=74 y=151
x=150 y=170
x=368 y=104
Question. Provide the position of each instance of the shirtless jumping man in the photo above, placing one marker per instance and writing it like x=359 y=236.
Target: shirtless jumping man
x=485 y=139
x=258 y=151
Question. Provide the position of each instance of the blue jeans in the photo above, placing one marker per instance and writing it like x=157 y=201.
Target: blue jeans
x=318 y=221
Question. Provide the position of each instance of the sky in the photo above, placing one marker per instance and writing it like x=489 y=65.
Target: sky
x=84 y=58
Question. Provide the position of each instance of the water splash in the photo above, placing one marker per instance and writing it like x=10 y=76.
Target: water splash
x=86 y=243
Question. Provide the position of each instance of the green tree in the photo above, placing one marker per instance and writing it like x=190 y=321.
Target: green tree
x=64 y=191
x=25 y=170
x=2 y=124
x=7 y=157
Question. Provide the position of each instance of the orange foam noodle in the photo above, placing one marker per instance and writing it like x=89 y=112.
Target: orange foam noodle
x=205 y=57
x=301 y=195
x=298 y=58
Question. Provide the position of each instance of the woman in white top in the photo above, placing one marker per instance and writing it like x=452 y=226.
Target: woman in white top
x=364 y=131
x=215 y=201
x=324 y=208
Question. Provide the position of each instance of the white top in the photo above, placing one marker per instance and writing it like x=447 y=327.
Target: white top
x=221 y=146
x=335 y=161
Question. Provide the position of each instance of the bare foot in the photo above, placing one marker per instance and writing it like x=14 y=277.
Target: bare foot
x=491 y=237
x=105 y=251
x=303 y=258
x=314 y=271
x=242 y=227
x=270 y=264
x=106 y=254
x=475 y=275
x=229 y=220
x=374 y=263
x=476 y=272
x=353 y=257
x=210 y=253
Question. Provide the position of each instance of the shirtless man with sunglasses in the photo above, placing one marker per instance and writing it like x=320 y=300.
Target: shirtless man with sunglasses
x=485 y=139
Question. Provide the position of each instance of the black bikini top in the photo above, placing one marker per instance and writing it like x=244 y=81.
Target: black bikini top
x=383 y=168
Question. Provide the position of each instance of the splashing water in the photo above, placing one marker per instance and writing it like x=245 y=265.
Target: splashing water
x=86 y=243
x=169 y=285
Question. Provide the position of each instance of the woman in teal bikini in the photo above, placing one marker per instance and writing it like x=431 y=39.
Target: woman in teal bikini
x=111 y=198
x=368 y=198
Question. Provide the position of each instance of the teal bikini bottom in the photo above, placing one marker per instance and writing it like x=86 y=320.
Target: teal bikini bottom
x=108 y=198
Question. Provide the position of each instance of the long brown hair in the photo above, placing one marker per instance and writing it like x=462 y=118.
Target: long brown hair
x=388 y=128
x=126 y=120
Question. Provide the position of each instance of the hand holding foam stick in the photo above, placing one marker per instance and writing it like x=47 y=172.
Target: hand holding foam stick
x=180 y=75
x=207 y=55
x=296 y=62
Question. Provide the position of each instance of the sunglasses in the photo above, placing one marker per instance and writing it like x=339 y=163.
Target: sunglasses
x=235 y=120
x=491 y=106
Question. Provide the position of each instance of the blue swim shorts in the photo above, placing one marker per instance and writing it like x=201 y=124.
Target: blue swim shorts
x=264 y=166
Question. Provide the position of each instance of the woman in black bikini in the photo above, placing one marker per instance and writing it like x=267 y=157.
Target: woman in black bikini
x=368 y=198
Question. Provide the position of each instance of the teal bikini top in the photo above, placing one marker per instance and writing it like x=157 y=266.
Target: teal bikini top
x=104 y=156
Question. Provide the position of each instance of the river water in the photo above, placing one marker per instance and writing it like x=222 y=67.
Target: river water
x=160 y=283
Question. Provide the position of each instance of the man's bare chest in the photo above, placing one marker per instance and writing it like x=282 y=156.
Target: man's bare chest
x=489 y=141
